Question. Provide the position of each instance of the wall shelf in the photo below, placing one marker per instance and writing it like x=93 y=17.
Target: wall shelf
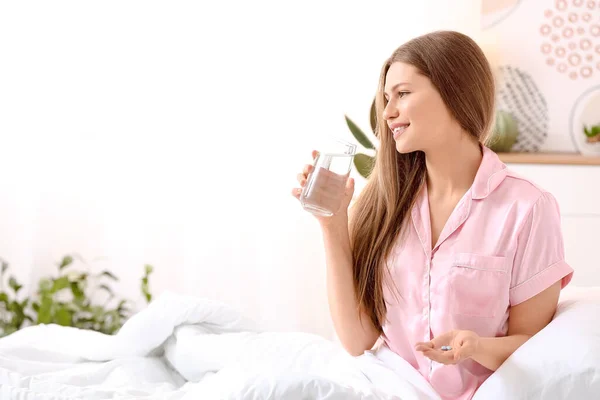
x=549 y=158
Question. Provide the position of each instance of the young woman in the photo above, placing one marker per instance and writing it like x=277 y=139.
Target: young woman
x=448 y=256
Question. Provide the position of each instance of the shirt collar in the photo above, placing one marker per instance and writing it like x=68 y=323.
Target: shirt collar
x=490 y=175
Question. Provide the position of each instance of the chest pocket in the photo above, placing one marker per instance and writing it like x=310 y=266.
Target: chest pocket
x=478 y=284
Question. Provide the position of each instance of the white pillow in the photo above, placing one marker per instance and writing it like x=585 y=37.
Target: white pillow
x=561 y=362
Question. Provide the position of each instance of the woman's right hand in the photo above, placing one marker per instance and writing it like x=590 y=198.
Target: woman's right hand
x=342 y=212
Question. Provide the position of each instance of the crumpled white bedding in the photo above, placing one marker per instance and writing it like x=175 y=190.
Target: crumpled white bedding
x=183 y=347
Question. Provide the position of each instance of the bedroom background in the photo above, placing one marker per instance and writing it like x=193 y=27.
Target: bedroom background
x=170 y=134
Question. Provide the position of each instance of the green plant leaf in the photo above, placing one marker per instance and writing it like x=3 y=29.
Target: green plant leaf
x=113 y=322
x=122 y=309
x=75 y=307
x=107 y=289
x=60 y=284
x=113 y=315
x=591 y=131
x=14 y=306
x=82 y=321
x=45 y=286
x=45 y=311
x=98 y=312
x=82 y=277
x=364 y=164
x=7 y=331
x=78 y=294
x=73 y=276
x=145 y=287
x=109 y=275
x=358 y=134
x=18 y=314
x=63 y=316
x=81 y=304
x=80 y=311
x=121 y=305
x=12 y=282
x=66 y=261
x=373 y=118
x=145 y=290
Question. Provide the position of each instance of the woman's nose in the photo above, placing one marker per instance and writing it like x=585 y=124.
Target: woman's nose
x=390 y=111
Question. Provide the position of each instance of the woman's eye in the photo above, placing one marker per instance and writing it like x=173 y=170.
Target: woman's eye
x=402 y=94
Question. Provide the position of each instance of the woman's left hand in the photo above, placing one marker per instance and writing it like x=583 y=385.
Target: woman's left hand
x=463 y=346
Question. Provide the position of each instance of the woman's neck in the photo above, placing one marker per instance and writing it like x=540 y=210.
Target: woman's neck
x=451 y=170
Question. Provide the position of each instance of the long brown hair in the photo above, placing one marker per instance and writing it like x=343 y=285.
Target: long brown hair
x=460 y=72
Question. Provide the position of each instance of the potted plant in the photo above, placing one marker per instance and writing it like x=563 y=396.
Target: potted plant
x=67 y=299
x=592 y=133
x=505 y=132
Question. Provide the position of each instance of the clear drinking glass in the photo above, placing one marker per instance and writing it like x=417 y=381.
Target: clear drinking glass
x=325 y=185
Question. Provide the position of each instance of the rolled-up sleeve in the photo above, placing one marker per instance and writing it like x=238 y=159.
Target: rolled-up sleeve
x=539 y=260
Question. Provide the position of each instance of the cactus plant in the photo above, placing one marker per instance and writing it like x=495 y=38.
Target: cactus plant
x=592 y=133
x=505 y=132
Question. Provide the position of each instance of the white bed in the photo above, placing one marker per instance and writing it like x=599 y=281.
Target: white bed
x=189 y=348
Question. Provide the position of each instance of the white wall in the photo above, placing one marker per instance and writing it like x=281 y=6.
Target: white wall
x=170 y=133
x=578 y=198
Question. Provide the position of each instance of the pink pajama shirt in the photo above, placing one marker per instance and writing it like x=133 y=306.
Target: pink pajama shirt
x=501 y=246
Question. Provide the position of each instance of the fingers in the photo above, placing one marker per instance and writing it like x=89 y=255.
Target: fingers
x=443 y=340
x=301 y=178
x=350 y=184
x=307 y=169
x=457 y=355
x=442 y=357
x=433 y=350
x=424 y=346
x=348 y=191
x=448 y=357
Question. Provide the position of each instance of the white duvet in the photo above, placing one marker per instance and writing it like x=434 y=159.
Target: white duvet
x=183 y=347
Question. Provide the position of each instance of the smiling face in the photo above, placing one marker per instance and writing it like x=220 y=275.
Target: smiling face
x=415 y=112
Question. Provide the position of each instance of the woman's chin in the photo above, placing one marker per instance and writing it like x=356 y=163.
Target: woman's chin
x=403 y=147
